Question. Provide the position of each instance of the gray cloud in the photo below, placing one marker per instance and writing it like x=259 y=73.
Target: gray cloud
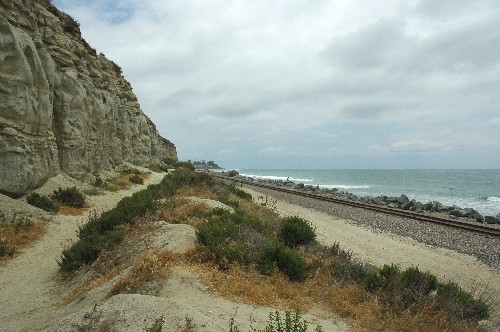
x=262 y=83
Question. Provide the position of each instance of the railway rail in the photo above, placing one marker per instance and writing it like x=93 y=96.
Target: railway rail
x=476 y=228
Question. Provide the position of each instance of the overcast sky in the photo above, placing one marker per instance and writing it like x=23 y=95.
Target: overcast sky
x=311 y=84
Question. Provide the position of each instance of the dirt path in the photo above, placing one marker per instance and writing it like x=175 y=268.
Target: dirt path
x=387 y=248
x=28 y=284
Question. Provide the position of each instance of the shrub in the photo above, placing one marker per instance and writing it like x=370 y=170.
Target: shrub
x=157 y=168
x=69 y=196
x=241 y=194
x=101 y=232
x=295 y=231
x=218 y=234
x=233 y=173
x=347 y=271
x=6 y=251
x=169 y=161
x=42 y=202
x=286 y=260
x=98 y=182
x=453 y=299
x=136 y=179
x=185 y=165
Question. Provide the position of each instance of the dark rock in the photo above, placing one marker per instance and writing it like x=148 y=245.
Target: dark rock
x=403 y=199
x=473 y=214
x=299 y=186
x=491 y=220
x=410 y=205
x=457 y=213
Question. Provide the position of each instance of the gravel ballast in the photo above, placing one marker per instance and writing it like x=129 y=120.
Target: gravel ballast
x=483 y=248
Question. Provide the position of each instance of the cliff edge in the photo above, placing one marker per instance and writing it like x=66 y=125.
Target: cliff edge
x=63 y=107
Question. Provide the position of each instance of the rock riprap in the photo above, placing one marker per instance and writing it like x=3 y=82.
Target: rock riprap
x=63 y=107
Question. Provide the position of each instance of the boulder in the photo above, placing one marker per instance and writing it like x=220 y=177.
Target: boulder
x=458 y=213
x=403 y=199
x=473 y=214
x=491 y=220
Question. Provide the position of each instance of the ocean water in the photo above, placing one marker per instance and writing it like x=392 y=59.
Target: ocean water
x=477 y=189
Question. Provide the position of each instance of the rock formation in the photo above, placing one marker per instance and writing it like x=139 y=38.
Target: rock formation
x=63 y=107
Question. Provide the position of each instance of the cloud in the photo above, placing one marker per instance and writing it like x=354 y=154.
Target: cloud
x=329 y=80
x=421 y=146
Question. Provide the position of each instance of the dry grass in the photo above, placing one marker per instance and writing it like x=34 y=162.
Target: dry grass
x=201 y=192
x=150 y=267
x=69 y=210
x=362 y=309
x=179 y=209
x=122 y=182
x=17 y=236
x=111 y=263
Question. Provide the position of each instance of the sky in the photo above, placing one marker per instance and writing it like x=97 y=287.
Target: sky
x=311 y=84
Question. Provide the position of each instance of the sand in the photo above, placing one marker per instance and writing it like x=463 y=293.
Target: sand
x=30 y=285
x=387 y=248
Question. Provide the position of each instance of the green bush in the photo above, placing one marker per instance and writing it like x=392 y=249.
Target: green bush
x=233 y=173
x=412 y=286
x=6 y=251
x=98 y=182
x=185 y=165
x=241 y=194
x=157 y=168
x=286 y=260
x=451 y=298
x=169 y=161
x=69 y=196
x=136 y=179
x=295 y=231
x=42 y=202
x=218 y=234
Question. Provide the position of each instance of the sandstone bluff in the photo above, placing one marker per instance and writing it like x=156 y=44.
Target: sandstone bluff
x=63 y=107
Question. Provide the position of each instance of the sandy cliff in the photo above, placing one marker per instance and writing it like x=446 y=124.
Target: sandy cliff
x=63 y=107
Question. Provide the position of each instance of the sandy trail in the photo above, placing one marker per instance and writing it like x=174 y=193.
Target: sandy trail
x=386 y=248
x=29 y=283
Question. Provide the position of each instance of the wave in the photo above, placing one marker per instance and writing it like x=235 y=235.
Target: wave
x=274 y=177
x=494 y=199
x=344 y=186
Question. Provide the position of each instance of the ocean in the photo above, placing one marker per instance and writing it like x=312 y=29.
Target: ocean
x=477 y=189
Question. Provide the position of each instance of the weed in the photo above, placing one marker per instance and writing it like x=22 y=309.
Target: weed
x=157 y=325
x=289 y=323
x=70 y=196
x=18 y=235
x=295 y=231
x=42 y=202
x=188 y=326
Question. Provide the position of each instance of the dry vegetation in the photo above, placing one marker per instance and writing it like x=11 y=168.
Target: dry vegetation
x=14 y=237
x=244 y=283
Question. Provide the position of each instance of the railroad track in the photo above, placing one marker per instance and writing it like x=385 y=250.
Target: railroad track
x=476 y=228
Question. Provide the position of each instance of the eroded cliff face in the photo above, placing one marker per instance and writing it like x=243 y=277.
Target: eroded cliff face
x=62 y=106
